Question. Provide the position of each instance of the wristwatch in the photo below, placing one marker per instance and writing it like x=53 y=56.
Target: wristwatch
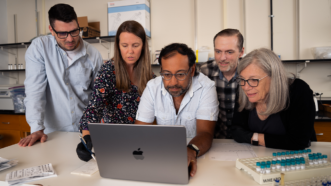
x=255 y=139
x=195 y=148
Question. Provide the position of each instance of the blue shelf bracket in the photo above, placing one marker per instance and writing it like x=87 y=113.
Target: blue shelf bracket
x=304 y=66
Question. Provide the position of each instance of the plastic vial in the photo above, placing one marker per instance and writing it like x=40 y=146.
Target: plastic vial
x=279 y=156
x=320 y=160
x=262 y=169
x=268 y=162
x=329 y=180
x=305 y=153
x=293 y=165
x=273 y=165
x=274 y=156
x=309 y=150
x=292 y=155
x=288 y=155
x=277 y=182
x=282 y=167
x=325 y=159
x=298 y=166
x=11 y=67
x=267 y=170
x=324 y=183
x=288 y=166
x=299 y=153
x=258 y=168
x=316 y=160
x=311 y=161
x=283 y=155
x=15 y=66
x=295 y=154
x=278 y=165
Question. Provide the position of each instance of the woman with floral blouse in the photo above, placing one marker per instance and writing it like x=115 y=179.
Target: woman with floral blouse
x=119 y=84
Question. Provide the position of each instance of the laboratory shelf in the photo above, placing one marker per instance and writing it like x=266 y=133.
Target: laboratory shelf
x=6 y=70
x=306 y=60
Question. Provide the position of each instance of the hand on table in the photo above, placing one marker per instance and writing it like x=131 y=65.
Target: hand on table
x=81 y=150
x=32 y=138
x=192 y=161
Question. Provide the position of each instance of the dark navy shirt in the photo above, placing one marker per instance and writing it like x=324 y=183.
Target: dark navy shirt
x=272 y=125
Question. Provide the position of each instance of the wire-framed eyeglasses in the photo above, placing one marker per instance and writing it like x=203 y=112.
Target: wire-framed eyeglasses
x=180 y=75
x=251 y=82
x=63 y=35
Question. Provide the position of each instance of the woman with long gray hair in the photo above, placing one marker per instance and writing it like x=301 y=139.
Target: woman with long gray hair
x=273 y=110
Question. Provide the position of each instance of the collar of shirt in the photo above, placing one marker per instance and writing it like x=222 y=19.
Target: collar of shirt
x=223 y=78
x=83 y=47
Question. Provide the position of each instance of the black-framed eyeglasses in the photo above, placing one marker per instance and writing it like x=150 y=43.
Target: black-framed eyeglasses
x=180 y=75
x=63 y=35
x=251 y=82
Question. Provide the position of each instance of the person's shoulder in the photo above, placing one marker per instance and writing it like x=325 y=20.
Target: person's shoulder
x=108 y=66
x=155 y=82
x=209 y=68
x=208 y=65
x=90 y=48
x=204 y=80
x=42 y=40
x=299 y=84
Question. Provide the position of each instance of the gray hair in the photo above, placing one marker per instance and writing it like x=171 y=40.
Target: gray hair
x=278 y=95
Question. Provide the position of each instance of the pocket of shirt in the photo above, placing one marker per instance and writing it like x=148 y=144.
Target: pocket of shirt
x=188 y=120
x=83 y=76
x=163 y=119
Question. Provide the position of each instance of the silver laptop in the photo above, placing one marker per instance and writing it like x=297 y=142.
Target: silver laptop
x=151 y=153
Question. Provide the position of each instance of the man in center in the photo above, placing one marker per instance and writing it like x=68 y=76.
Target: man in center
x=228 y=48
x=181 y=96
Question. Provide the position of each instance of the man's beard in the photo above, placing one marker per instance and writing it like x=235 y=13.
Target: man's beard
x=181 y=91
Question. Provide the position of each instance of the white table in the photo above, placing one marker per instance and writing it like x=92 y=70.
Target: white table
x=60 y=150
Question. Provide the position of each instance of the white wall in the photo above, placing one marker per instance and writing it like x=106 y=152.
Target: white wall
x=3 y=39
x=173 y=21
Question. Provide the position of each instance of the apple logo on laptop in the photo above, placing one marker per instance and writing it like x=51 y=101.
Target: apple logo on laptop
x=138 y=154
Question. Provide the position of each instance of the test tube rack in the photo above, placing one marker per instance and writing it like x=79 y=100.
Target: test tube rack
x=249 y=166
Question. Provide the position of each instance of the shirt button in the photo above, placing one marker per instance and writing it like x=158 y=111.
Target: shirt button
x=70 y=97
x=73 y=123
x=228 y=99
x=64 y=53
x=66 y=83
x=72 y=112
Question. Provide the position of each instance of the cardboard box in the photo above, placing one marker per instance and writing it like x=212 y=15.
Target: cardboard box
x=120 y=11
x=90 y=29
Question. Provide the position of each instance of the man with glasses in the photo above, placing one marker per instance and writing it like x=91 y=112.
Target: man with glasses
x=181 y=96
x=228 y=48
x=60 y=71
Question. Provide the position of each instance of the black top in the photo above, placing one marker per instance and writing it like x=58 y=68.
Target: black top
x=297 y=118
x=272 y=125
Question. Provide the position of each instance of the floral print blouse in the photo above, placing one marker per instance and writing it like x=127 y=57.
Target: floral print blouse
x=109 y=105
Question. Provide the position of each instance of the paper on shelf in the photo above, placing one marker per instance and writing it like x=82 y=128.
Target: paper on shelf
x=230 y=151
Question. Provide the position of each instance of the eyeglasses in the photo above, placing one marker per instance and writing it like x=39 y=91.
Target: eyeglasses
x=251 y=82
x=180 y=76
x=63 y=35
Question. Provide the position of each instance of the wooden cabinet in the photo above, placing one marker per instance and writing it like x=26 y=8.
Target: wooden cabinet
x=323 y=131
x=12 y=129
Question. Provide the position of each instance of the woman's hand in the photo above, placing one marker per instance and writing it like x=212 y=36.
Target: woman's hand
x=261 y=140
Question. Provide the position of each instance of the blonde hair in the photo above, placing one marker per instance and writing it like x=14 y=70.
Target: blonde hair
x=278 y=95
x=142 y=68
